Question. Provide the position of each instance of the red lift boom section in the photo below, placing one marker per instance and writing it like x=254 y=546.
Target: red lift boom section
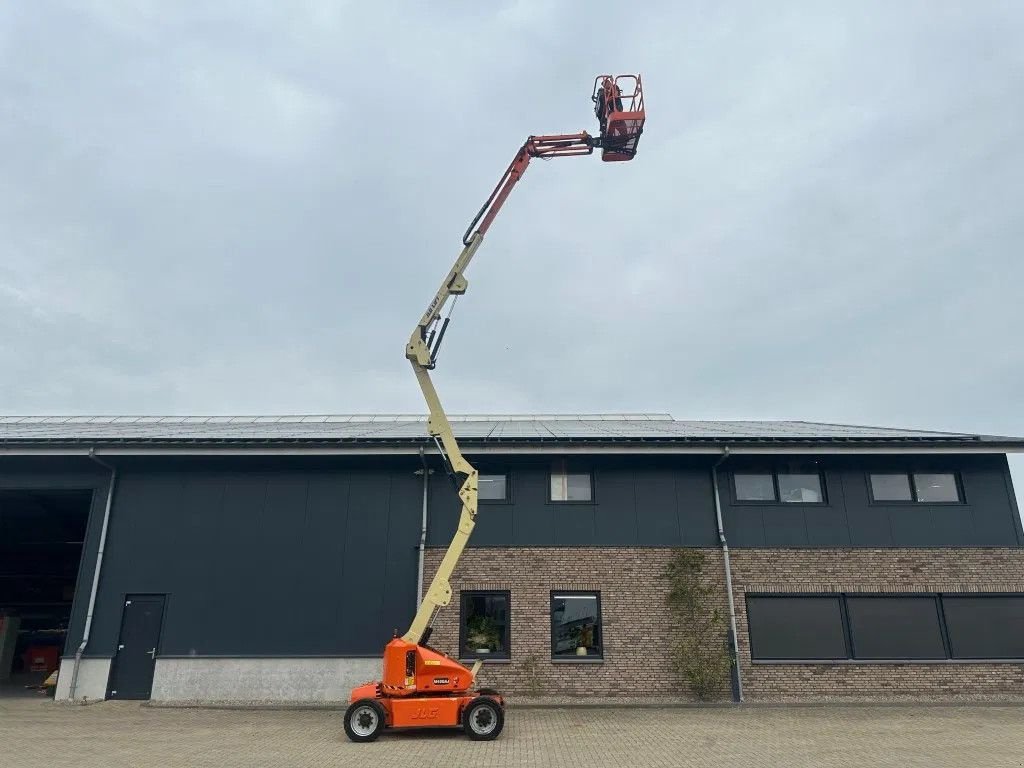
x=421 y=686
x=619 y=107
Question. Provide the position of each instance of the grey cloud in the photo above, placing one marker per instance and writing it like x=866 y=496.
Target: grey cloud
x=214 y=207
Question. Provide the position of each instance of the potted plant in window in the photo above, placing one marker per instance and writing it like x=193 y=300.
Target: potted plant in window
x=583 y=637
x=482 y=635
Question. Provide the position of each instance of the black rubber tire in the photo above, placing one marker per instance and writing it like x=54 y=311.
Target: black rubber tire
x=483 y=718
x=487 y=692
x=377 y=728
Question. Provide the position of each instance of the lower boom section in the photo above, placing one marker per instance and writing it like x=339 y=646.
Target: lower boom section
x=423 y=688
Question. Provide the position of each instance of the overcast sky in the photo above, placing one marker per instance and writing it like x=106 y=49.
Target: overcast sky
x=243 y=208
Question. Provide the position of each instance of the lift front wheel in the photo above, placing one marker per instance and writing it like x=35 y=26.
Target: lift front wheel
x=483 y=719
x=364 y=720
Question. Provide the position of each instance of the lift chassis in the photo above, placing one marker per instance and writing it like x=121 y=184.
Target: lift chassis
x=421 y=686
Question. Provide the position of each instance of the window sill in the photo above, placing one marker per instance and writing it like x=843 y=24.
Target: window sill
x=579 y=660
x=905 y=503
x=485 y=660
x=767 y=503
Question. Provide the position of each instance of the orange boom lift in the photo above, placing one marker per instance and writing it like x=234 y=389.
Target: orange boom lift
x=421 y=686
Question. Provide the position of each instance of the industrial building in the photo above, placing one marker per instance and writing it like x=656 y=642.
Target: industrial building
x=271 y=558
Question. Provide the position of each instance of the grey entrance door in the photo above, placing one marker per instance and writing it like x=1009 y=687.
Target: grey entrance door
x=132 y=674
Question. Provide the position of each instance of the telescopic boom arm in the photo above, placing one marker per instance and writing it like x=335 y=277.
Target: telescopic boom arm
x=425 y=343
x=621 y=127
x=420 y=686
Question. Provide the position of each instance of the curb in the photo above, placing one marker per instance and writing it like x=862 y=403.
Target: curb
x=591 y=705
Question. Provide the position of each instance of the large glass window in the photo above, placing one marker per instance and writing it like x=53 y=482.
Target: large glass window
x=570 y=486
x=576 y=625
x=796 y=628
x=895 y=628
x=936 y=486
x=484 y=625
x=891 y=487
x=787 y=487
x=800 y=488
x=754 y=486
x=886 y=627
x=493 y=487
x=985 y=627
x=924 y=487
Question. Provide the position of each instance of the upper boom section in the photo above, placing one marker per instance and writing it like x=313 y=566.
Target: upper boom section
x=566 y=145
x=455 y=283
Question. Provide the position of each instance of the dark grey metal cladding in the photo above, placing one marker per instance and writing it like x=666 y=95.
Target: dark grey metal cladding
x=300 y=560
x=850 y=518
x=276 y=555
x=638 y=501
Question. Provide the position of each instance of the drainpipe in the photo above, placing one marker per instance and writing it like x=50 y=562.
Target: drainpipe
x=738 y=679
x=95 y=574
x=423 y=526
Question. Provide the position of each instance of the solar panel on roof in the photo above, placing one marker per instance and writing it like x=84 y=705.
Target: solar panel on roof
x=370 y=427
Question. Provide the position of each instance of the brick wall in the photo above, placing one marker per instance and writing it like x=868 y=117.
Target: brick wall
x=636 y=622
x=875 y=570
x=633 y=616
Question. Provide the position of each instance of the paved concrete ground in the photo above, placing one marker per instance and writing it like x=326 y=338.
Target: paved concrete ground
x=41 y=733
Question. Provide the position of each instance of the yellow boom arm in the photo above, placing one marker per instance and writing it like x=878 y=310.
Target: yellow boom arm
x=439 y=594
x=621 y=116
x=425 y=342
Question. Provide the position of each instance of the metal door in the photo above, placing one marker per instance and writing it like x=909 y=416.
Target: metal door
x=132 y=674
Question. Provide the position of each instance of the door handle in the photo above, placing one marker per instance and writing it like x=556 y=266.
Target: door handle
x=152 y=653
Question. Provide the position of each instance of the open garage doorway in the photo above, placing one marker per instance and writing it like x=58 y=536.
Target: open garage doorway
x=41 y=537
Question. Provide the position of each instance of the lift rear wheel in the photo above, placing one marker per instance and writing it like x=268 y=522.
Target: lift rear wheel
x=364 y=720
x=483 y=719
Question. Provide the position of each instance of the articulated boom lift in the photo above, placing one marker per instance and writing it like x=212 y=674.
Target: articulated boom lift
x=421 y=686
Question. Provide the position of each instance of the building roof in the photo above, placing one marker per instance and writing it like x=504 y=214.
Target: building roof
x=647 y=429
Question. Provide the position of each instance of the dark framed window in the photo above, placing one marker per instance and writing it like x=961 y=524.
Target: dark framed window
x=985 y=627
x=936 y=487
x=796 y=628
x=800 y=487
x=484 y=624
x=923 y=487
x=890 y=486
x=779 y=487
x=576 y=631
x=886 y=627
x=492 y=487
x=754 y=486
x=570 y=485
x=895 y=627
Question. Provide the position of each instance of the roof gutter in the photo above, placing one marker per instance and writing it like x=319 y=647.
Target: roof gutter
x=95 y=574
x=413 y=449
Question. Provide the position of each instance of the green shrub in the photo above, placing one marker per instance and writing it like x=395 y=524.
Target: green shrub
x=699 y=650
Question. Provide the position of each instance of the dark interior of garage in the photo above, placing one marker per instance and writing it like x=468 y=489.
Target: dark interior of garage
x=41 y=535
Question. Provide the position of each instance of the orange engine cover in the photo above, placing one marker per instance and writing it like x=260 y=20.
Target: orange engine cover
x=426 y=711
x=414 y=669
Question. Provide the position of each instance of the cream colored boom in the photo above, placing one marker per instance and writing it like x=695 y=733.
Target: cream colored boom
x=418 y=351
x=439 y=593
